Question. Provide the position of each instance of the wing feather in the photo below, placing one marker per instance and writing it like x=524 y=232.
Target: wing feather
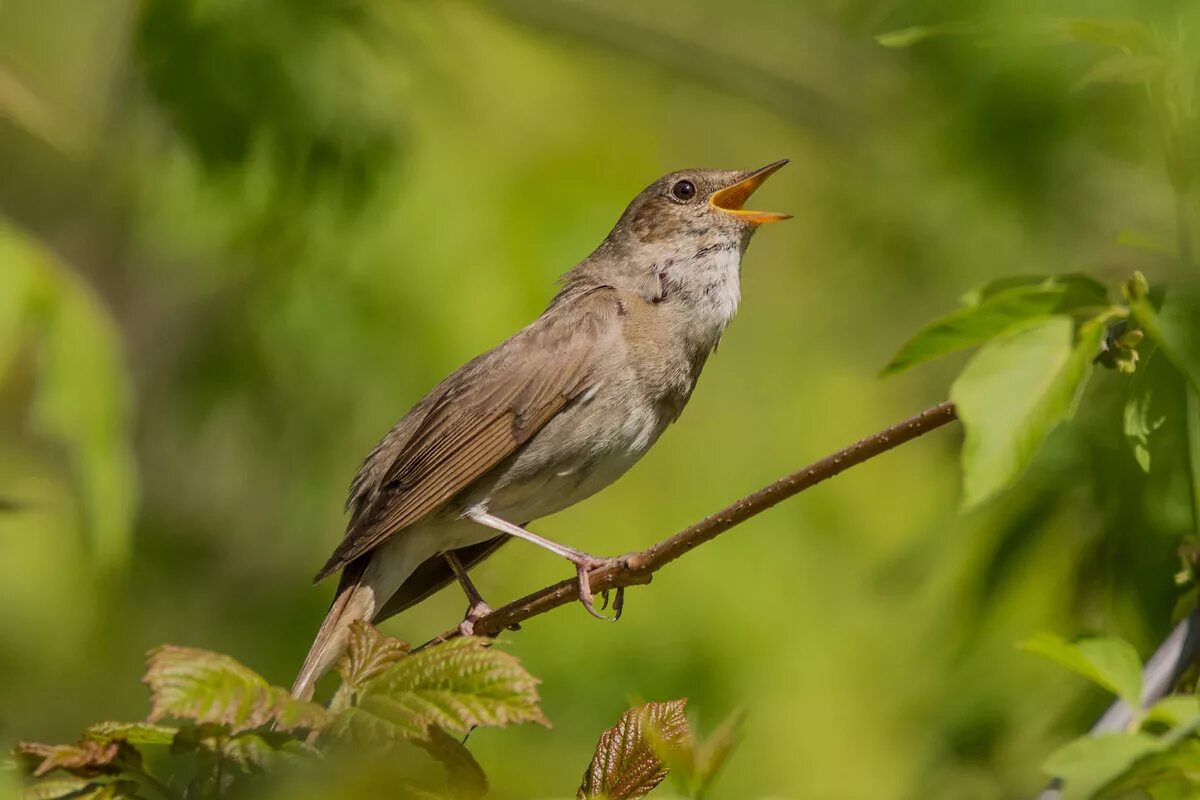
x=476 y=418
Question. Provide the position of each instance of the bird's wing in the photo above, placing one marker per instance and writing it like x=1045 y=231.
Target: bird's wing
x=478 y=417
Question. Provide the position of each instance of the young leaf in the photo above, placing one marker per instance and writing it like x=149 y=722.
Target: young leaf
x=1174 y=327
x=1110 y=662
x=1169 y=773
x=457 y=685
x=993 y=309
x=87 y=759
x=77 y=789
x=715 y=751
x=1176 y=710
x=464 y=777
x=694 y=765
x=260 y=751
x=1089 y=763
x=908 y=37
x=56 y=789
x=1140 y=422
x=625 y=765
x=1123 y=34
x=368 y=654
x=132 y=732
x=1124 y=68
x=1014 y=392
x=208 y=687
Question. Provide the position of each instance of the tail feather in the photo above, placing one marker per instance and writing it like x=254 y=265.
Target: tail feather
x=333 y=634
x=365 y=586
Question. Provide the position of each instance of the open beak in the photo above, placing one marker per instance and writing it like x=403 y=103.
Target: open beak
x=732 y=198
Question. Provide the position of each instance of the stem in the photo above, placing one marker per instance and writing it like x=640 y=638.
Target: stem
x=639 y=567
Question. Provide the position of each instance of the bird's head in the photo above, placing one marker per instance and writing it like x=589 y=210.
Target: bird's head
x=696 y=206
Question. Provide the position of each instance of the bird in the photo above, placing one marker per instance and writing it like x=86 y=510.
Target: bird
x=550 y=416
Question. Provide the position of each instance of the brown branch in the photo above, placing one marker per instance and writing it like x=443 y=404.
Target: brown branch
x=637 y=568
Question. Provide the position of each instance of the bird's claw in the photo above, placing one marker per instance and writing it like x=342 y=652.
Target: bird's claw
x=476 y=612
x=582 y=571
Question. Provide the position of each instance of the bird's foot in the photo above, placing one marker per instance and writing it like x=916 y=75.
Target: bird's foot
x=476 y=612
x=583 y=566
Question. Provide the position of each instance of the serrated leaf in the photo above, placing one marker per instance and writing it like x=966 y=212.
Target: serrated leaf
x=55 y=789
x=87 y=759
x=626 y=765
x=992 y=309
x=369 y=653
x=1087 y=764
x=132 y=732
x=1110 y=662
x=260 y=751
x=1124 y=68
x=457 y=685
x=465 y=779
x=208 y=687
x=1014 y=392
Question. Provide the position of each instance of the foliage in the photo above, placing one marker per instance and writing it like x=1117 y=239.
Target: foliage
x=1029 y=375
x=290 y=220
x=233 y=732
x=82 y=397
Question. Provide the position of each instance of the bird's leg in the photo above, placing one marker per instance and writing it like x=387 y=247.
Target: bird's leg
x=584 y=562
x=478 y=608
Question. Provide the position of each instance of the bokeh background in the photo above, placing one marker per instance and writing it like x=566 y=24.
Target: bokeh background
x=238 y=238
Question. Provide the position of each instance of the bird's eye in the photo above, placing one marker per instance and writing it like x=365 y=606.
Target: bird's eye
x=683 y=190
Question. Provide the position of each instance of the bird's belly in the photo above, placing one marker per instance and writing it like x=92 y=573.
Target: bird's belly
x=570 y=460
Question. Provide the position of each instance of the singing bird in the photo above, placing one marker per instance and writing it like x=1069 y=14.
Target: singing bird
x=550 y=416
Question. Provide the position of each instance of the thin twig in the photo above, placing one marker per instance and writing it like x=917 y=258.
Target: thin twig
x=639 y=567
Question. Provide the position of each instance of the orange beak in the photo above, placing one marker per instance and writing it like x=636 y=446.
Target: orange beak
x=732 y=198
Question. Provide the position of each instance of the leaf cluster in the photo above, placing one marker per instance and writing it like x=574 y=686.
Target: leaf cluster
x=215 y=726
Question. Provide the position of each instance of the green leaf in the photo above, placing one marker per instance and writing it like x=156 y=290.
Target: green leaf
x=1171 y=772
x=211 y=688
x=626 y=765
x=55 y=789
x=457 y=685
x=907 y=37
x=368 y=654
x=715 y=751
x=79 y=789
x=1014 y=392
x=133 y=732
x=695 y=765
x=992 y=309
x=1176 y=710
x=1110 y=662
x=1087 y=764
x=1174 y=327
x=1125 y=68
x=1123 y=34
x=83 y=391
x=464 y=777
x=1141 y=421
x=261 y=751
x=87 y=759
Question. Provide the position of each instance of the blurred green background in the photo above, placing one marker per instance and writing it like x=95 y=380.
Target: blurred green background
x=239 y=238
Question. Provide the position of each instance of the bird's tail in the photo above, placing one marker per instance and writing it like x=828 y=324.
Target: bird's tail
x=365 y=586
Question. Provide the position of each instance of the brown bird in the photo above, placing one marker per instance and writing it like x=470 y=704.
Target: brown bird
x=552 y=415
